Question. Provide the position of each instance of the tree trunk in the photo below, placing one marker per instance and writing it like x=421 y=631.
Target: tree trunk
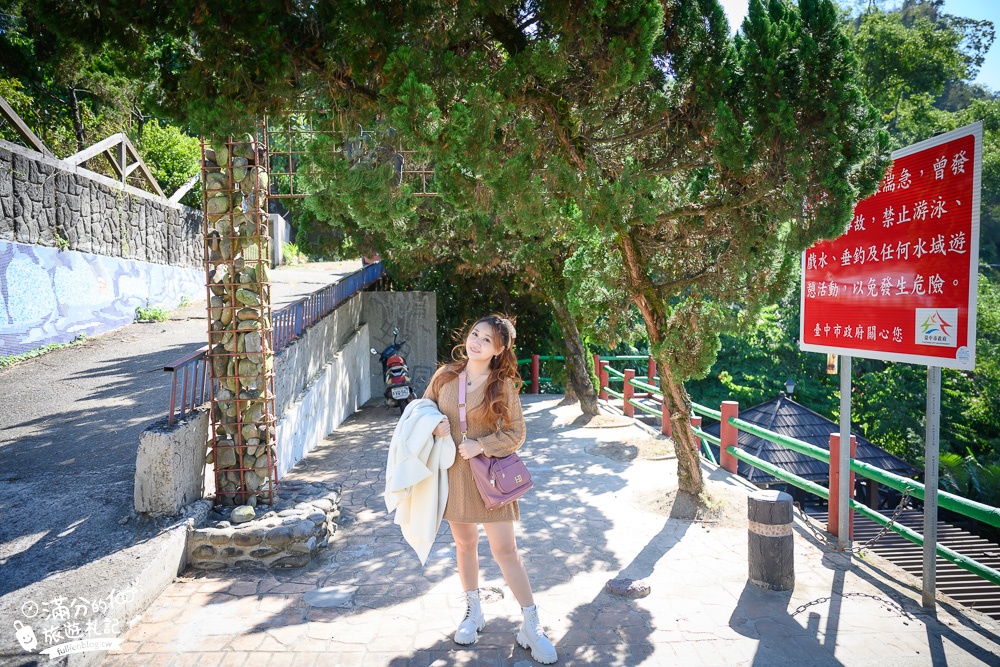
x=74 y=106
x=576 y=358
x=686 y=444
x=654 y=315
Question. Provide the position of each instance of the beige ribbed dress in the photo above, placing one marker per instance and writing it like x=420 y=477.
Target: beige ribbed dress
x=464 y=502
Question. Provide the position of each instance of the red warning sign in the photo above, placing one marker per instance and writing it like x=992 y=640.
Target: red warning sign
x=900 y=285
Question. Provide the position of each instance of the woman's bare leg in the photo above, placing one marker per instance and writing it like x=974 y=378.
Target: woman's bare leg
x=503 y=545
x=466 y=553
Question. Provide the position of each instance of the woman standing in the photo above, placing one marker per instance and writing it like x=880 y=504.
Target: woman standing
x=495 y=429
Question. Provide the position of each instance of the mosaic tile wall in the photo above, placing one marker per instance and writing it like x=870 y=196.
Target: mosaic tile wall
x=79 y=253
x=52 y=296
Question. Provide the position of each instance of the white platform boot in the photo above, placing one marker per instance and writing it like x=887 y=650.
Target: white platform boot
x=474 y=621
x=531 y=635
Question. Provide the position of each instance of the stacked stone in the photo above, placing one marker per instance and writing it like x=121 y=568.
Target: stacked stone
x=289 y=536
x=242 y=360
x=70 y=208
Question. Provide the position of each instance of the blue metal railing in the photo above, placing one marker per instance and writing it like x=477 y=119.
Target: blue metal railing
x=190 y=373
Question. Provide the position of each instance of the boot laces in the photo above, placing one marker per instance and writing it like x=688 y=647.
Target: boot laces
x=535 y=625
x=468 y=607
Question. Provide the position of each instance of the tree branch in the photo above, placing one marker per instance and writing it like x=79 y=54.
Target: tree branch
x=721 y=207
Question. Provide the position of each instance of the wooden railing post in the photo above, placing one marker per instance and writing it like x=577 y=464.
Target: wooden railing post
x=729 y=435
x=833 y=504
x=603 y=376
x=629 y=392
x=535 y=365
x=651 y=372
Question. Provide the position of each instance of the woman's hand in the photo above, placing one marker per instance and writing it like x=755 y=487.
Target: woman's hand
x=469 y=449
x=443 y=428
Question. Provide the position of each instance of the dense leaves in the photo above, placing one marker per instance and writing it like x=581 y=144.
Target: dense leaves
x=632 y=165
x=74 y=94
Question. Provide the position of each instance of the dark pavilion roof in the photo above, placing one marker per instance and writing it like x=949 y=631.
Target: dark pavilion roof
x=785 y=416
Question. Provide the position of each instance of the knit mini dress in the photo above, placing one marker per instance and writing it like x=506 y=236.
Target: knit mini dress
x=465 y=505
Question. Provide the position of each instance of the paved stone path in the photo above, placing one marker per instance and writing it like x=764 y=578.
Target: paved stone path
x=69 y=430
x=366 y=600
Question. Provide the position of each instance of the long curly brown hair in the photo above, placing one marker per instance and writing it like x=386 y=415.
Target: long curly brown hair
x=503 y=367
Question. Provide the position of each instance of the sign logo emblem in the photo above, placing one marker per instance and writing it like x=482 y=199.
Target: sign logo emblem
x=937 y=326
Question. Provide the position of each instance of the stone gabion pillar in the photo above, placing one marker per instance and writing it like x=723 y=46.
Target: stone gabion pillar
x=237 y=257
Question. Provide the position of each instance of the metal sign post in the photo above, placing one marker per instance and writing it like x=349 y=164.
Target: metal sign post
x=931 y=446
x=845 y=490
x=900 y=285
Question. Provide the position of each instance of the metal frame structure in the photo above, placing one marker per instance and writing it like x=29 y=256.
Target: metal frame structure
x=240 y=333
x=287 y=138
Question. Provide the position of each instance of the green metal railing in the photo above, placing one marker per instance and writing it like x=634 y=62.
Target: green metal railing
x=964 y=562
x=969 y=508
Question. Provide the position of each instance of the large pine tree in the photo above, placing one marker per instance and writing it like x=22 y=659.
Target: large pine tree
x=680 y=169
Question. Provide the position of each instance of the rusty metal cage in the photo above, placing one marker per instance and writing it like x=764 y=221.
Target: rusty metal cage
x=240 y=331
x=289 y=137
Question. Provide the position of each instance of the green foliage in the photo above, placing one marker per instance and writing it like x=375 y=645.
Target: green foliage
x=72 y=95
x=172 y=156
x=903 y=58
x=463 y=297
x=754 y=364
x=888 y=404
x=291 y=255
x=10 y=360
x=60 y=239
x=965 y=476
x=149 y=313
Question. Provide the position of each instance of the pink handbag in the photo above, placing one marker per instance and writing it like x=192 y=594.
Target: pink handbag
x=500 y=481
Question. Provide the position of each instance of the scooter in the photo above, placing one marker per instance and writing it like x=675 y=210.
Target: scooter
x=398 y=389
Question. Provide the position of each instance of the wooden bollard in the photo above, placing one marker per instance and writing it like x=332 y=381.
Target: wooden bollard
x=771 y=548
x=602 y=374
x=629 y=391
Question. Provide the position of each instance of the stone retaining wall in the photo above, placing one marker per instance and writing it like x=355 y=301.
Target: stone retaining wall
x=48 y=202
x=289 y=535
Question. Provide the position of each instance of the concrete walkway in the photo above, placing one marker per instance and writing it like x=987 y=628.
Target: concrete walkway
x=592 y=516
x=69 y=430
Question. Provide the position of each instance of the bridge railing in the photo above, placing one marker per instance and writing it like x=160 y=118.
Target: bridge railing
x=733 y=424
x=190 y=374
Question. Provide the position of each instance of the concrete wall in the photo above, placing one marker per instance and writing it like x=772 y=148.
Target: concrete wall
x=415 y=313
x=170 y=465
x=297 y=365
x=320 y=380
x=334 y=394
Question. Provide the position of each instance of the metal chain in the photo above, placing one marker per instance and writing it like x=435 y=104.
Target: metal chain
x=820 y=534
x=890 y=604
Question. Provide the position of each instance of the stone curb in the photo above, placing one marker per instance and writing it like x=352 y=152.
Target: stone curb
x=289 y=535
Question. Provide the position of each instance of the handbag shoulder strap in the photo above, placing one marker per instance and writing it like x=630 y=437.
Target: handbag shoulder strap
x=461 y=405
